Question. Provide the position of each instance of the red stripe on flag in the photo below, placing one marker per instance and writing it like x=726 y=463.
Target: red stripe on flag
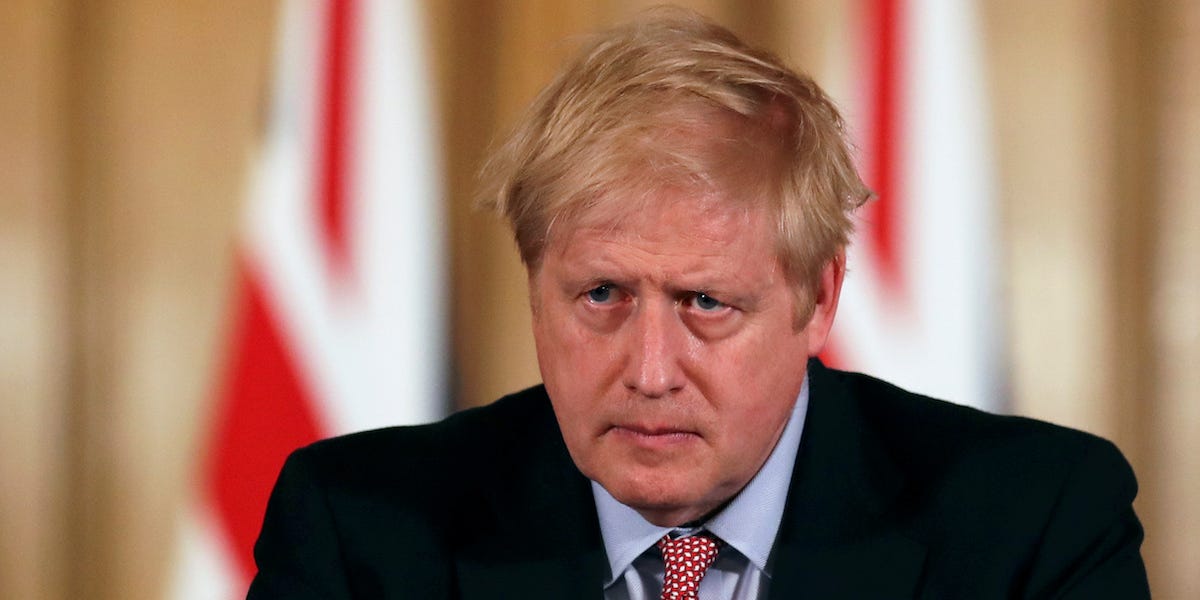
x=263 y=413
x=883 y=27
x=333 y=181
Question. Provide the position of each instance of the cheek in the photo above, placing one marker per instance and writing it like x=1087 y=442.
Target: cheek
x=751 y=361
x=571 y=355
x=752 y=384
x=578 y=366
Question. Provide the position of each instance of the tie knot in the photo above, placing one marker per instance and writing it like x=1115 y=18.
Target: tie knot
x=686 y=559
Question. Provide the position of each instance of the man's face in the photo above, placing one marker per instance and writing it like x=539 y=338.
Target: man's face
x=667 y=343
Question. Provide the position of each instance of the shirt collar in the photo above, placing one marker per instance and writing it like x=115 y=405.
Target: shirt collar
x=749 y=523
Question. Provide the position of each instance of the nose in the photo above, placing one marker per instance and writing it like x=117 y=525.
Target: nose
x=657 y=341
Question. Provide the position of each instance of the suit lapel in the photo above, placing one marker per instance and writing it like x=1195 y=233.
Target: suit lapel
x=839 y=536
x=542 y=537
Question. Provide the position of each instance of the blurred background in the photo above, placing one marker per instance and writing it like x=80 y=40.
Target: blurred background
x=228 y=228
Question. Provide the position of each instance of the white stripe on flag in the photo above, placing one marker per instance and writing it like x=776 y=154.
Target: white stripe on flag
x=942 y=338
x=203 y=570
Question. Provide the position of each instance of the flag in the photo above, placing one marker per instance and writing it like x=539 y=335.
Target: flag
x=339 y=319
x=919 y=306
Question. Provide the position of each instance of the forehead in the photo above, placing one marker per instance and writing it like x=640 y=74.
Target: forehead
x=669 y=230
x=702 y=209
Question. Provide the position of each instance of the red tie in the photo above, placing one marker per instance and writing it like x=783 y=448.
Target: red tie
x=686 y=561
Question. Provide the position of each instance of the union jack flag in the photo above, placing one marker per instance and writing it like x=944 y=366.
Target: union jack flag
x=339 y=321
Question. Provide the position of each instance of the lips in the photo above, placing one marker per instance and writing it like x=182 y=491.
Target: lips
x=652 y=435
x=651 y=430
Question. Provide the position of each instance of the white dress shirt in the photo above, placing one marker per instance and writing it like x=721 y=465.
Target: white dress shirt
x=748 y=526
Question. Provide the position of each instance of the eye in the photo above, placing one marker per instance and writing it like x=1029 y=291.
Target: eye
x=707 y=303
x=601 y=294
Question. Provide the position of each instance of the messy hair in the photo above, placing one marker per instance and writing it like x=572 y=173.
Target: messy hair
x=673 y=99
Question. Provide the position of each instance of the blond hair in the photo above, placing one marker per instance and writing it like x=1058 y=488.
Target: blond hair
x=668 y=100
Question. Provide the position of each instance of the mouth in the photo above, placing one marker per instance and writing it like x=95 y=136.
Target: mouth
x=653 y=436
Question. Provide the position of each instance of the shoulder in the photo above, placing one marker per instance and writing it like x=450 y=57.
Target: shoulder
x=1005 y=498
x=932 y=434
x=385 y=509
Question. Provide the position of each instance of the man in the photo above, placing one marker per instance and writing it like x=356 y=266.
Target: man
x=682 y=204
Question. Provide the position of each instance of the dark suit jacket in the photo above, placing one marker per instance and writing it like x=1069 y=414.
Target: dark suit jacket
x=893 y=496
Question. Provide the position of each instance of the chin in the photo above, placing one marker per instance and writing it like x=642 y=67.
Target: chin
x=664 y=503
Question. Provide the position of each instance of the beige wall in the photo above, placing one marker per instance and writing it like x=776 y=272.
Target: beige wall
x=33 y=303
x=127 y=125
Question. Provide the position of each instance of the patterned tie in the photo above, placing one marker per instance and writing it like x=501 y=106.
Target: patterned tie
x=686 y=560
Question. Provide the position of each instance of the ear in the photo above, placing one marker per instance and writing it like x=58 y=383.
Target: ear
x=825 y=299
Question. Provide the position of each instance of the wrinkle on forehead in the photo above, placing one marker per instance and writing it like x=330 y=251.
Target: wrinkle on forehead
x=632 y=218
x=670 y=241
